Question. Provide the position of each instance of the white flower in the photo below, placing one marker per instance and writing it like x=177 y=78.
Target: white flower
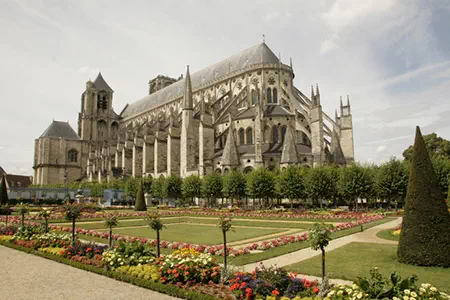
x=359 y=296
x=433 y=289
x=349 y=291
x=339 y=293
x=407 y=292
x=413 y=294
x=405 y=298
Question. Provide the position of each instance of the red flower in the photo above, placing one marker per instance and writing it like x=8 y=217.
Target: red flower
x=315 y=290
x=186 y=273
x=275 y=292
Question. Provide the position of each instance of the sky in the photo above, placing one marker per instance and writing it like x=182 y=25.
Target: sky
x=392 y=57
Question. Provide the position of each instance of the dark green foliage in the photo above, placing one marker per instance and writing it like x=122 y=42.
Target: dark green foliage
x=436 y=147
x=212 y=187
x=356 y=182
x=234 y=186
x=140 y=198
x=425 y=235
x=441 y=168
x=392 y=181
x=291 y=183
x=148 y=184
x=320 y=184
x=172 y=187
x=131 y=187
x=191 y=188
x=261 y=184
x=3 y=191
x=158 y=187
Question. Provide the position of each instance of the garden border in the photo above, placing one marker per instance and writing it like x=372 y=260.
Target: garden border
x=167 y=289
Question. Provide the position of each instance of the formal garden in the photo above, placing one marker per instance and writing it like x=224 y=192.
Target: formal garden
x=385 y=230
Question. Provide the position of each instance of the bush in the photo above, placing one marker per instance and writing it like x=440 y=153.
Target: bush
x=84 y=249
x=147 y=272
x=128 y=254
x=425 y=235
x=140 y=199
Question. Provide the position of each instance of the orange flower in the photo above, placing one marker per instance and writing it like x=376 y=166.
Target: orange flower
x=275 y=292
x=186 y=273
x=315 y=290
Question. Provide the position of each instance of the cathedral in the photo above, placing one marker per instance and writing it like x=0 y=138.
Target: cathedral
x=241 y=113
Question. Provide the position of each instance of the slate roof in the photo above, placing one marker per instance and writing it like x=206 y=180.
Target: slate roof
x=101 y=85
x=276 y=110
x=18 y=181
x=244 y=59
x=62 y=130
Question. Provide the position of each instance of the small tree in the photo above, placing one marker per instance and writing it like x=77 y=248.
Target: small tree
x=212 y=187
x=319 y=238
x=154 y=222
x=291 y=184
x=131 y=187
x=172 y=187
x=140 y=198
x=225 y=224
x=392 y=181
x=72 y=212
x=110 y=222
x=192 y=187
x=45 y=214
x=23 y=210
x=157 y=188
x=3 y=192
x=261 y=184
x=234 y=186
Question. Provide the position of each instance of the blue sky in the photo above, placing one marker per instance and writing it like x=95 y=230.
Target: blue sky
x=391 y=57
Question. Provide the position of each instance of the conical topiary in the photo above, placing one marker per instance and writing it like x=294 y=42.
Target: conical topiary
x=3 y=192
x=140 y=199
x=425 y=235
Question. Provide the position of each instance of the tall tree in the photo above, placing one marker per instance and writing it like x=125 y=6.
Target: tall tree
x=140 y=198
x=212 y=188
x=131 y=187
x=234 y=186
x=172 y=187
x=356 y=182
x=441 y=168
x=3 y=192
x=392 y=181
x=192 y=187
x=261 y=185
x=320 y=185
x=157 y=188
x=425 y=235
x=291 y=183
x=435 y=145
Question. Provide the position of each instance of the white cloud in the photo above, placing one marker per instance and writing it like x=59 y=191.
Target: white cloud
x=329 y=43
x=1 y=147
x=87 y=70
x=381 y=148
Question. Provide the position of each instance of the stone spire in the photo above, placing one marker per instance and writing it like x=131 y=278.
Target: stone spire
x=187 y=97
x=317 y=89
x=290 y=61
x=289 y=151
x=230 y=155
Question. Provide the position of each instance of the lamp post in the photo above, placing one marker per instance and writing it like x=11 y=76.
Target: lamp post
x=66 y=183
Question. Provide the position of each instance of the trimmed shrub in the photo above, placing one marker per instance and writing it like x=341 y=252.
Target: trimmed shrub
x=140 y=199
x=425 y=236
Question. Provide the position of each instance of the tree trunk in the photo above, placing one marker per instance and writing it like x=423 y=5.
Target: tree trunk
x=224 y=249
x=110 y=237
x=323 y=263
x=292 y=205
x=23 y=219
x=158 y=252
x=356 y=204
x=46 y=225
x=320 y=202
x=6 y=220
x=73 y=230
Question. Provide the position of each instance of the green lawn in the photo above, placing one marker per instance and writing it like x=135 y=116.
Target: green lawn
x=197 y=234
x=340 y=263
x=387 y=235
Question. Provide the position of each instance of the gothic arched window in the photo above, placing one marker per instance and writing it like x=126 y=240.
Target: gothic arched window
x=283 y=132
x=275 y=134
x=72 y=155
x=254 y=97
x=114 y=130
x=241 y=136
x=249 y=136
x=275 y=95
x=101 y=130
x=269 y=95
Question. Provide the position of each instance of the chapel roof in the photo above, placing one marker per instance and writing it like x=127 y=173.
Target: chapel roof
x=101 y=85
x=58 y=129
x=251 y=56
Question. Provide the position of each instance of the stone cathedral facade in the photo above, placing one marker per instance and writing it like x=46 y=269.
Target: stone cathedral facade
x=241 y=113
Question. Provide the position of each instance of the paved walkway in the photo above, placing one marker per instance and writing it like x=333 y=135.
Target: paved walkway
x=368 y=236
x=28 y=277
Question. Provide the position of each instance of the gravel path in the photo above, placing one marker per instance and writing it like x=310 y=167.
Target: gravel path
x=367 y=236
x=25 y=276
